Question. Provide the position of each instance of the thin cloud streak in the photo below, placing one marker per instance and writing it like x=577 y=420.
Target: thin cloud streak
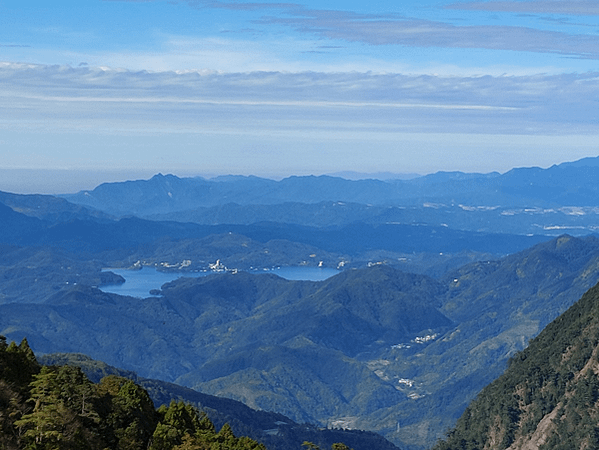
x=395 y=29
x=568 y=7
x=424 y=33
x=235 y=6
x=299 y=104
x=240 y=6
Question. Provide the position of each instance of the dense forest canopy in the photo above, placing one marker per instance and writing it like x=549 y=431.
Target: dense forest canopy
x=58 y=407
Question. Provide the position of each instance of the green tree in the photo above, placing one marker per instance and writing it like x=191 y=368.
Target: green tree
x=340 y=446
x=129 y=415
x=17 y=364
x=63 y=412
x=44 y=426
x=12 y=408
x=60 y=409
x=176 y=421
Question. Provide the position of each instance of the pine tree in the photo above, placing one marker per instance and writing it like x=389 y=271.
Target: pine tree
x=63 y=411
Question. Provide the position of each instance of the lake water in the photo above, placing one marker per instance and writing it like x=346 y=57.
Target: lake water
x=139 y=283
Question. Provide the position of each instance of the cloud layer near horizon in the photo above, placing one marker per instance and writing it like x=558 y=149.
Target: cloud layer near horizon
x=418 y=103
x=302 y=87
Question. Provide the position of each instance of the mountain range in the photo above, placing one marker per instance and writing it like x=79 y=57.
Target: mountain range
x=373 y=348
x=119 y=242
x=444 y=278
x=562 y=198
x=564 y=184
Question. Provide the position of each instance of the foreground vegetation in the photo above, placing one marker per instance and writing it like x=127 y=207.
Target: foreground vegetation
x=49 y=407
x=58 y=407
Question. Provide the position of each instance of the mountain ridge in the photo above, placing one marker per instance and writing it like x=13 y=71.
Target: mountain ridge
x=416 y=247
x=277 y=344
x=561 y=198
x=275 y=430
x=174 y=191
x=547 y=397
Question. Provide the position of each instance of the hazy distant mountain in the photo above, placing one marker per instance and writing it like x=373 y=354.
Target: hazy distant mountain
x=523 y=200
x=121 y=242
x=384 y=176
x=168 y=193
x=48 y=207
x=15 y=227
x=564 y=184
x=584 y=162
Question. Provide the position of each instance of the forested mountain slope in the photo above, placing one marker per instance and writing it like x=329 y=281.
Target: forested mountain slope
x=274 y=430
x=57 y=407
x=497 y=307
x=375 y=348
x=54 y=405
x=548 y=398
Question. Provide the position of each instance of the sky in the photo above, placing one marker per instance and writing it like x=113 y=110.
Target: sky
x=102 y=90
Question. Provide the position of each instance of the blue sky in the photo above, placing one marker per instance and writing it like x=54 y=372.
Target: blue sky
x=126 y=89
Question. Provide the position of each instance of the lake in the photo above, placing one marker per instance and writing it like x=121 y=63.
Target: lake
x=139 y=283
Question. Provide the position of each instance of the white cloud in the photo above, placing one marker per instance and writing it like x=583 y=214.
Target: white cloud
x=209 y=101
x=291 y=123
